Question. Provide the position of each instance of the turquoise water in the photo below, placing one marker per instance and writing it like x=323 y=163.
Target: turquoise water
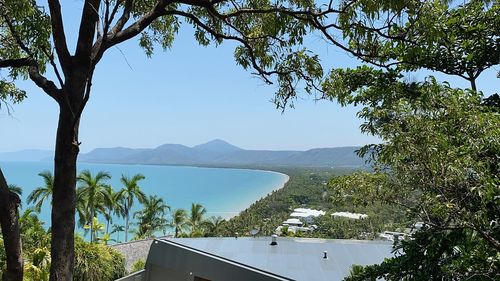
x=223 y=192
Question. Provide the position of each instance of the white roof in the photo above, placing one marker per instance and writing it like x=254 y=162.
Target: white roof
x=299 y=215
x=350 y=215
x=294 y=228
x=293 y=221
x=304 y=213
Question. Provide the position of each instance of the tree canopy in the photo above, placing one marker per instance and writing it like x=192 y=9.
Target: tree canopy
x=393 y=35
x=438 y=159
x=459 y=39
x=21 y=20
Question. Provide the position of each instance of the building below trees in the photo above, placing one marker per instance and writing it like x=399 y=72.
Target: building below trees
x=256 y=259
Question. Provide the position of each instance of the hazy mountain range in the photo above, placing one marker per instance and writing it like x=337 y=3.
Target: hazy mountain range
x=27 y=155
x=213 y=153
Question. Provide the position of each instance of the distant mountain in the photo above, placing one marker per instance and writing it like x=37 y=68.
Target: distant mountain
x=112 y=155
x=27 y=155
x=218 y=146
x=221 y=153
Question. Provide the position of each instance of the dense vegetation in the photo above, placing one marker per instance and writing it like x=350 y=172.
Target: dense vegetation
x=97 y=198
x=94 y=261
x=308 y=188
x=304 y=187
x=440 y=162
x=439 y=159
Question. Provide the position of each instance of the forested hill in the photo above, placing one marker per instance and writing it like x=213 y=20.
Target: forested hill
x=221 y=153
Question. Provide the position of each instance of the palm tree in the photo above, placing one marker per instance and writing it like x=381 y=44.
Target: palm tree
x=152 y=217
x=106 y=238
x=34 y=234
x=110 y=206
x=40 y=194
x=17 y=190
x=196 y=218
x=179 y=221
x=117 y=228
x=95 y=227
x=212 y=225
x=82 y=211
x=130 y=191
x=92 y=191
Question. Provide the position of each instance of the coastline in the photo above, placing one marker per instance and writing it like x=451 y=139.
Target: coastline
x=246 y=205
x=242 y=206
x=230 y=208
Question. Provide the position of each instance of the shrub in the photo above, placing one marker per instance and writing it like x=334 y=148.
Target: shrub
x=138 y=265
x=97 y=262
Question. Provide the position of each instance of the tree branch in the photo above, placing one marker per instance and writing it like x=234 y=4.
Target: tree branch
x=489 y=238
x=99 y=47
x=78 y=114
x=59 y=36
x=48 y=86
x=15 y=62
x=138 y=26
x=16 y=37
x=124 y=17
x=34 y=70
x=54 y=66
x=90 y=17
x=216 y=34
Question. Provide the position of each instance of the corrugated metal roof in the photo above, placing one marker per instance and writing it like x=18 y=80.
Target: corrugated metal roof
x=295 y=258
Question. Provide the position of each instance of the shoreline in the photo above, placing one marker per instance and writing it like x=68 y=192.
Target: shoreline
x=235 y=209
x=242 y=207
x=247 y=205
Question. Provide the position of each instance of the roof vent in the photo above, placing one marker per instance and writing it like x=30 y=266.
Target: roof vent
x=325 y=255
x=273 y=240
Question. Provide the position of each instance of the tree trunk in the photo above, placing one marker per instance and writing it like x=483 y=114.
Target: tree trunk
x=64 y=198
x=92 y=226
x=107 y=224
x=473 y=84
x=126 y=227
x=9 y=222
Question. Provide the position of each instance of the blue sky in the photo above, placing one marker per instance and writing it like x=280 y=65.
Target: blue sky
x=190 y=95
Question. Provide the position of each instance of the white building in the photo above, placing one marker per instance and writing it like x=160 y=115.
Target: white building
x=294 y=229
x=350 y=215
x=307 y=215
x=293 y=222
x=393 y=235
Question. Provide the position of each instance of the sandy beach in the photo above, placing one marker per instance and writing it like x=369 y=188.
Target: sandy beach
x=243 y=206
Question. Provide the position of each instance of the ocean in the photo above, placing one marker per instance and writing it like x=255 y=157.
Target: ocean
x=222 y=191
